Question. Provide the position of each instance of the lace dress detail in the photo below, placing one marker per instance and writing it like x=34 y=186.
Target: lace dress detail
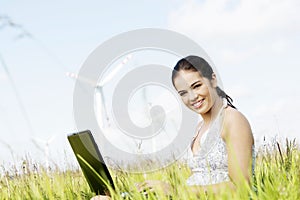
x=210 y=164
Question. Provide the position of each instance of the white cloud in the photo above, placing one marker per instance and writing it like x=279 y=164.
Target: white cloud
x=238 y=31
x=284 y=106
x=279 y=46
x=214 y=18
x=239 y=91
x=234 y=56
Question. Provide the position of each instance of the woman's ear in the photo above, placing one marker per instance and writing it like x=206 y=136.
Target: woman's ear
x=214 y=81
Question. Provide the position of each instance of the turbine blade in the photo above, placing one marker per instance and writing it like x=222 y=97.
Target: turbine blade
x=115 y=71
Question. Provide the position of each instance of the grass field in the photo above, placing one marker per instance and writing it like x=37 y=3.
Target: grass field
x=277 y=176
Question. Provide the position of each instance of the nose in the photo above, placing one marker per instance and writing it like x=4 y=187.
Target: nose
x=192 y=96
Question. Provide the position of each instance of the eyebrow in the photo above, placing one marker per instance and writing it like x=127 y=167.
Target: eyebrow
x=190 y=86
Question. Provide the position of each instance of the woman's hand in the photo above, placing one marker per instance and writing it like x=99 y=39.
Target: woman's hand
x=154 y=185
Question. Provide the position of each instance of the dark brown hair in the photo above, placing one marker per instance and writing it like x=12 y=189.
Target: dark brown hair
x=198 y=64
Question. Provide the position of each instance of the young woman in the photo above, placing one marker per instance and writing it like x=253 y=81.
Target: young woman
x=222 y=151
x=221 y=154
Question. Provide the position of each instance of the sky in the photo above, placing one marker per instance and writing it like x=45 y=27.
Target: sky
x=254 y=45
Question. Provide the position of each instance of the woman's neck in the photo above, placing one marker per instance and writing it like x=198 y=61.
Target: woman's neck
x=211 y=114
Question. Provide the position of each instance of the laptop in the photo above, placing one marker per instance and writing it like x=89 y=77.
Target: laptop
x=91 y=162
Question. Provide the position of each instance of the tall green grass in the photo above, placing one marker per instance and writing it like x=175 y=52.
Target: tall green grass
x=277 y=176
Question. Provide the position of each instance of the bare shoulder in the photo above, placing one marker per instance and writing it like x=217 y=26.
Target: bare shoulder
x=237 y=125
x=234 y=117
x=239 y=142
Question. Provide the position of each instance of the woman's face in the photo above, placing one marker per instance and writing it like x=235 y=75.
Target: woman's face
x=197 y=93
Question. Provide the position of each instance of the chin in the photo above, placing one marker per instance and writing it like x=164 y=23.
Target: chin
x=198 y=111
x=202 y=110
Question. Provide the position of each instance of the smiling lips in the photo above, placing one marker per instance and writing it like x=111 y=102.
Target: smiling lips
x=198 y=104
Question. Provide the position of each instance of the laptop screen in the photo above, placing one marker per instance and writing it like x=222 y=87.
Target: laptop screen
x=91 y=162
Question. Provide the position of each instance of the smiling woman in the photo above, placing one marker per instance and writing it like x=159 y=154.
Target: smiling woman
x=222 y=150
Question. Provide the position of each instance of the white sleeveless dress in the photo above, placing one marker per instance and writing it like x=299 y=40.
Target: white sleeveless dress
x=210 y=164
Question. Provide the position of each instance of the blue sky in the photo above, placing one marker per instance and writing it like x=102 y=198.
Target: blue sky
x=254 y=45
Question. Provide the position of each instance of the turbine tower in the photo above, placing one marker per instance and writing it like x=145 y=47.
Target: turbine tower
x=43 y=146
x=159 y=99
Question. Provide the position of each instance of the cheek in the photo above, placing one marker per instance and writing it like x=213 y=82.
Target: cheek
x=184 y=100
x=206 y=91
x=212 y=93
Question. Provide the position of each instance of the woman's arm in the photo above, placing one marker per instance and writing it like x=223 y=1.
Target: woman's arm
x=239 y=141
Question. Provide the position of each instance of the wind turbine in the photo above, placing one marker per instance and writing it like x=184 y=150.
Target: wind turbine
x=43 y=146
x=147 y=108
x=159 y=99
x=102 y=116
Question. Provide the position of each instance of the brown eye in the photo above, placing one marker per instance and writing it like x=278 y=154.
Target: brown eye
x=182 y=93
x=197 y=86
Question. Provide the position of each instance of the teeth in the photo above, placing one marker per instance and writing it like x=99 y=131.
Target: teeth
x=197 y=104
